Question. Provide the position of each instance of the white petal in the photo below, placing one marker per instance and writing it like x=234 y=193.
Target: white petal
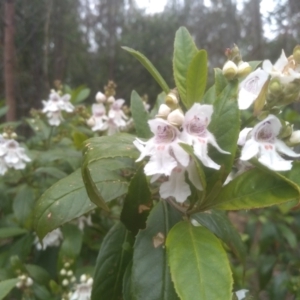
x=249 y=150
x=271 y=121
x=272 y=160
x=181 y=155
x=154 y=178
x=281 y=62
x=197 y=109
x=284 y=149
x=241 y=294
x=267 y=66
x=193 y=176
x=175 y=187
x=243 y=136
x=245 y=99
x=200 y=150
x=146 y=150
x=211 y=139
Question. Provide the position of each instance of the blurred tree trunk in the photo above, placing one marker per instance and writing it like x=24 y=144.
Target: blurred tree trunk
x=256 y=28
x=9 y=59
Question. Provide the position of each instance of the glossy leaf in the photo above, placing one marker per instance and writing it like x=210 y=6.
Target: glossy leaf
x=8 y=232
x=199 y=265
x=149 y=66
x=210 y=95
x=184 y=51
x=220 y=81
x=72 y=241
x=218 y=223
x=62 y=202
x=114 y=256
x=140 y=116
x=254 y=189
x=137 y=203
x=159 y=100
x=196 y=78
x=51 y=171
x=150 y=272
x=6 y=286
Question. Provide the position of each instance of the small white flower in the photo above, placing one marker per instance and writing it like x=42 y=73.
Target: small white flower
x=241 y=294
x=52 y=239
x=83 y=292
x=54 y=117
x=83 y=221
x=116 y=113
x=265 y=146
x=99 y=117
x=195 y=133
x=163 y=149
x=67 y=105
x=13 y=155
x=250 y=88
x=281 y=69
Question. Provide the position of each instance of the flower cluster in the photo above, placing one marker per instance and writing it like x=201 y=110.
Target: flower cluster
x=167 y=157
x=82 y=290
x=113 y=121
x=54 y=106
x=24 y=281
x=12 y=155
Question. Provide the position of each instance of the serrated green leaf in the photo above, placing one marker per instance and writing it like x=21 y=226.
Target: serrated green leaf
x=8 y=232
x=6 y=286
x=210 y=95
x=220 y=81
x=140 y=116
x=254 y=189
x=52 y=171
x=218 y=223
x=196 y=78
x=199 y=265
x=114 y=256
x=184 y=51
x=137 y=202
x=149 y=66
x=64 y=201
x=150 y=272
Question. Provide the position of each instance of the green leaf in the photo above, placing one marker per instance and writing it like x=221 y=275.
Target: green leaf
x=199 y=265
x=137 y=202
x=82 y=95
x=38 y=274
x=72 y=241
x=150 y=272
x=3 y=111
x=254 y=189
x=140 y=116
x=254 y=64
x=220 y=81
x=196 y=78
x=78 y=139
x=184 y=52
x=97 y=149
x=8 y=232
x=127 y=291
x=225 y=126
x=218 y=223
x=114 y=256
x=64 y=201
x=159 y=100
x=23 y=204
x=51 y=171
x=210 y=95
x=149 y=66
x=6 y=286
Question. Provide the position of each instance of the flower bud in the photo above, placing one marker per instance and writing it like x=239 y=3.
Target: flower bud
x=63 y=272
x=230 y=70
x=14 y=135
x=90 y=281
x=243 y=69
x=100 y=97
x=111 y=100
x=296 y=54
x=29 y=281
x=83 y=278
x=285 y=131
x=73 y=279
x=176 y=117
x=67 y=265
x=163 y=111
x=172 y=99
x=65 y=282
x=5 y=135
x=275 y=86
x=91 y=122
x=70 y=273
x=19 y=285
x=295 y=137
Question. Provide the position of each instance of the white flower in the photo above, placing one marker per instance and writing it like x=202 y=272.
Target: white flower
x=83 y=291
x=281 y=69
x=241 y=294
x=83 y=221
x=67 y=105
x=12 y=155
x=99 y=117
x=54 y=117
x=250 y=88
x=163 y=149
x=116 y=113
x=195 y=133
x=52 y=239
x=100 y=97
x=264 y=145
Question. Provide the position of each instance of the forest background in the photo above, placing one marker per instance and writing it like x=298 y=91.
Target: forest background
x=79 y=42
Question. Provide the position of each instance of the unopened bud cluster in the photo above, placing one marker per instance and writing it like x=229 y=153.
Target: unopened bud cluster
x=232 y=70
x=67 y=275
x=24 y=281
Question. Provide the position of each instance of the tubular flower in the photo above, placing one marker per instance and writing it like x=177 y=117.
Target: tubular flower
x=264 y=145
x=284 y=69
x=116 y=113
x=195 y=133
x=99 y=117
x=163 y=149
x=250 y=88
x=52 y=239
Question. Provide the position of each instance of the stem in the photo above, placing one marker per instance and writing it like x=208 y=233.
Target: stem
x=176 y=206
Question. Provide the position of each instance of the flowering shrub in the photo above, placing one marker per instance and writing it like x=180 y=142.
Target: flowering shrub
x=191 y=158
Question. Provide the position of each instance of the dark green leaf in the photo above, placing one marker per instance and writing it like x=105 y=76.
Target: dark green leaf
x=210 y=95
x=184 y=51
x=38 y=274
x=254 y=189
x=114 y=256
x=64 y=201
x=199 y=265
x=196 y=78
x=51 y=171
x=220 y=81
x=127 y=290
x=149 y=66
x=137 y=202
x=72 y=241
x=218 y=223
x=6 y=286
x=150 y=272
x=159 y=100
x=140 y=116
x=8 y=232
